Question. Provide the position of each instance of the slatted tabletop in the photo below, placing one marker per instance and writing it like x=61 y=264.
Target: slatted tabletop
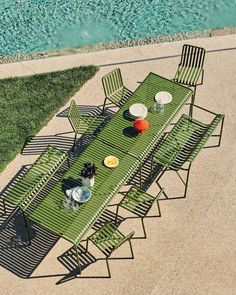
x=119 y=139
x=73 y=225
x=120 y=132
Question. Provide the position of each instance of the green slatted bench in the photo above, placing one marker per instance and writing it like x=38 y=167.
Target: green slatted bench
x=183 y=144
x=31 y=183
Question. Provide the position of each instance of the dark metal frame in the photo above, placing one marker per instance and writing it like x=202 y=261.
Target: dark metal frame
x=221 y=126
x=184 y=181
x=108 y=256
x=142 y=218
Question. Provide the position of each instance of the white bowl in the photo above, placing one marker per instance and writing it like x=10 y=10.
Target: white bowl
x=138 y=111
x=163 y=97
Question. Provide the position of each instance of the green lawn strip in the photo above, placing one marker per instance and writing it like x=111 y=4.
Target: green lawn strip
x=28 y=103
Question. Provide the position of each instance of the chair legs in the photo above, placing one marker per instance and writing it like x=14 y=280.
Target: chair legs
x=104 y=104
x=192 y=102
x=144 y=231
x=142 y=222
x=27 y=227
x=77 y=258
x=73 y=147
x=108 y=268
x=131 y=249
x=117 y=209
x=159 y=209
x=187 y=179
x=185 y=182
x=4 y=206
x=107 y=257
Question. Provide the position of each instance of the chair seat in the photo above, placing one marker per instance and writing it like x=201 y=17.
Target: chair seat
x=187 y=75
x=107 y=238
x=137 y=201
x=88 y=124
x=120 y=96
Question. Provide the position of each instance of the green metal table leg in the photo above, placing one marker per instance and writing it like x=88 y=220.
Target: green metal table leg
x=77 y=257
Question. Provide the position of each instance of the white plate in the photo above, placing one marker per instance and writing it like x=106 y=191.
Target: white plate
x=81 y=194
x=138 y=110
x=111 y=161
x=163 y=96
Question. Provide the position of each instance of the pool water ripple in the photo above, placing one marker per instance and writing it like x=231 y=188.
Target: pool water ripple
x=31 y=25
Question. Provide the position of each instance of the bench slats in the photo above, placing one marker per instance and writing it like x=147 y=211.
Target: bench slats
x=36 y=177
x=184 y=142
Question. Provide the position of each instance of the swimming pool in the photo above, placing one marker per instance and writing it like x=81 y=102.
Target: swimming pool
x=37 y=25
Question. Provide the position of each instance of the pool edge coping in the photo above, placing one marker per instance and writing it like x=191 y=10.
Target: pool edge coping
x=119 y=44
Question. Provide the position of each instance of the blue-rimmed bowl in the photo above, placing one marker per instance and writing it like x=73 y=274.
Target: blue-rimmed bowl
x=81 y=194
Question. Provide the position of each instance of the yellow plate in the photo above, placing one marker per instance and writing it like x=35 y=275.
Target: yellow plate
x=111 y=161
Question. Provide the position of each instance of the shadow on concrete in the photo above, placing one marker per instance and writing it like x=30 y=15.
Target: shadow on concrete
x=16 y=255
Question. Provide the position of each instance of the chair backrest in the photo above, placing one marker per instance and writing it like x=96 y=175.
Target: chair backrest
x=192 y=56
x=148 y=205
x=74 y=115
x=185 y=141
x=125 y=239
x=112 y=82
x=211 y=127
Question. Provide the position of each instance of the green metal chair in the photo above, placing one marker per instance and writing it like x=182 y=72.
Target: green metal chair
x=182 y=145
x=107 y=239
x=139 y=202
x=114 y=89
x=190 y=68
x=83 y=123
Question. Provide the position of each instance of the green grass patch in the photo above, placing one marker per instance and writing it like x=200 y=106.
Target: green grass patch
x=28 y=103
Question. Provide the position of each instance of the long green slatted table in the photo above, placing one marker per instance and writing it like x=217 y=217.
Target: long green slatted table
x=120 y=133
x=117 y=139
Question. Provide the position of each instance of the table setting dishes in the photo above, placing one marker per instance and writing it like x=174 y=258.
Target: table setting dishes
x=163 y=97
x=138 y=111
x=75 y=196
x=111 y=161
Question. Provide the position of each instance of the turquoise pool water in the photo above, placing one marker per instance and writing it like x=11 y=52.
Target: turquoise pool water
x=36 y=25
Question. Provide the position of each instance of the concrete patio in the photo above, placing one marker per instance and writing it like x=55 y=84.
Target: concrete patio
x=191 y=248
